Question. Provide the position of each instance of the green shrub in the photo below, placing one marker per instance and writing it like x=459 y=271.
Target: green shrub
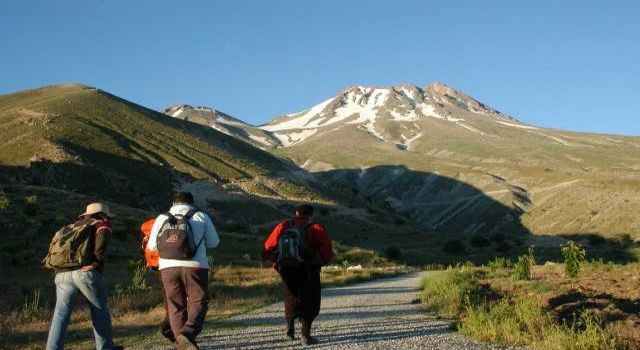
x=574 y=255
x=499 y=263
x=522 y=268
x=523 y=322
x=450 y=291
x=5 y=203
x=454 y=246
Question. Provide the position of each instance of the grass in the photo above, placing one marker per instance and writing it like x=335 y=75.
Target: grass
x=549 y=311
x=234 y=290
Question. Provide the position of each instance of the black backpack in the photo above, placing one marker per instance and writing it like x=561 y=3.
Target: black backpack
x=292 y=246
x=175 y=239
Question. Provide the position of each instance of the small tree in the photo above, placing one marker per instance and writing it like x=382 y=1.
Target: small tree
x=574 y=254
x=522 y=268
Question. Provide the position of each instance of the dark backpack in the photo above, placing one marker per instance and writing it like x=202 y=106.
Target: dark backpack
x=292 y=246
x=71 y=246
x=175 y=239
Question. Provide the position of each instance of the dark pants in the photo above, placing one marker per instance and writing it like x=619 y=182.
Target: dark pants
x=301 y=288
x=187 y=298
x=164 y=325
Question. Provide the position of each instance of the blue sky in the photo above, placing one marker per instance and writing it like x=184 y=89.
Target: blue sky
x=564 y=64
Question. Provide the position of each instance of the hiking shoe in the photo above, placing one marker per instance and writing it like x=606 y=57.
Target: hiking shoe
x=185 y=343
x=168 y=334
x=309 y=340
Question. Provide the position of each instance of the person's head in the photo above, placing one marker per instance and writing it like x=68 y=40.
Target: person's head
x=304 y=211
x=97 y=210
x=183 y=198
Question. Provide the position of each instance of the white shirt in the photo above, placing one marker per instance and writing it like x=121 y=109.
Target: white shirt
x=201 y=226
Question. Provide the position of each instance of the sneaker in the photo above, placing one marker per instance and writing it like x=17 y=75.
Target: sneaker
x=185 y=343
x=168 y=334
x=291 y=334
x=309 y=340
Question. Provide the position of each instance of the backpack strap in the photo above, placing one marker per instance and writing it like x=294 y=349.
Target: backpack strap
x=187 y=216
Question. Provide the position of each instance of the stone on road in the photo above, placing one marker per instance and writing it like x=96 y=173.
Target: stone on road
x=381 y=314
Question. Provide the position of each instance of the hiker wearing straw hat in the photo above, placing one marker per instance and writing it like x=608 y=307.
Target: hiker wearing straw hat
x=77 y=254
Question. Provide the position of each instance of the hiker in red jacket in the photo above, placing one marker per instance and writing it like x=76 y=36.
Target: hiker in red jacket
x=298 y=249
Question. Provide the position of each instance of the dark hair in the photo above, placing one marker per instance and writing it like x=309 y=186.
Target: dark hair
x=304 y=210
x=183 y=197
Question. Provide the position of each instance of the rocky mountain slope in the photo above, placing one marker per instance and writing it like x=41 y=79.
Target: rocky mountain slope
x=391 y=144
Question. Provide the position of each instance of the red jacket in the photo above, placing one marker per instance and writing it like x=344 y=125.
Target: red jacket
x=318 y=241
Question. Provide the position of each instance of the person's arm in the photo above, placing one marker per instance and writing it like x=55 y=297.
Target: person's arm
x=211 y=238
x=101 y=241
x=155 y=229
x=322 y=242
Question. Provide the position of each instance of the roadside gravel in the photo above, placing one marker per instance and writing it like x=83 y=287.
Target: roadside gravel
x=382 y=314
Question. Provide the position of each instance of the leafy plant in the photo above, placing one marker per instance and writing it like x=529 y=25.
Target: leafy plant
x=522 y=268
x=574 y=255
x=4 y=201
x=499 y=263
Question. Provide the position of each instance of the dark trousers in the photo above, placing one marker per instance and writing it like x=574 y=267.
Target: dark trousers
x=164 y=325
x=301 y=289
x=187 y=298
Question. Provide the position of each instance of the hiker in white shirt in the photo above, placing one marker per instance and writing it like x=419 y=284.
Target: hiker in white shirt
x=185 y=279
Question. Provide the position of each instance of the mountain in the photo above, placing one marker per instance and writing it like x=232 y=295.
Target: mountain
x=66 y=145
x=224 y=123
x=387 y=143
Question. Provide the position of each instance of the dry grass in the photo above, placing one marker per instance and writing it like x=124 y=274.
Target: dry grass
x=234 y=289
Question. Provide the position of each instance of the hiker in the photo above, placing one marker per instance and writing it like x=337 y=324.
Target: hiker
x=77 y=255
x=298 y=249
x=151 y=262
x=181 y=238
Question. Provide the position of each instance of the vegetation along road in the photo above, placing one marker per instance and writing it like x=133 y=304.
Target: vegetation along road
x=382 y=314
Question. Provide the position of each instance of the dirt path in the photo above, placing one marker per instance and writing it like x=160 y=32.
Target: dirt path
x=382 y=314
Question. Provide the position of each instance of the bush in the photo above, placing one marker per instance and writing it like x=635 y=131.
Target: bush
x=624 y=240
x=393 y=253
x=523 y=322
x=454 y=246
x=499 y=263
x=449 y=292
x=522 y=268
x=5 y=203
x=479 y=241
x=574 y=255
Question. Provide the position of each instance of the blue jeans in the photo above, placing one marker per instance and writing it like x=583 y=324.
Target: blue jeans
x=91 y=285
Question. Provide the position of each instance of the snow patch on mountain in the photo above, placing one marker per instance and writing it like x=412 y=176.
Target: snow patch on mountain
x=260 y=139
x=293 y=138
x=518 y=125
x=300 y=119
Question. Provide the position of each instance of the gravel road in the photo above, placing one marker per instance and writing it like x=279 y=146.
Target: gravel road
x=382 y=314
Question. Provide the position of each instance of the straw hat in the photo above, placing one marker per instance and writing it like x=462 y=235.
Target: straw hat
x=95 y=208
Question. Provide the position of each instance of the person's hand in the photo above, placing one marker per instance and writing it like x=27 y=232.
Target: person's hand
x=87 y=268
